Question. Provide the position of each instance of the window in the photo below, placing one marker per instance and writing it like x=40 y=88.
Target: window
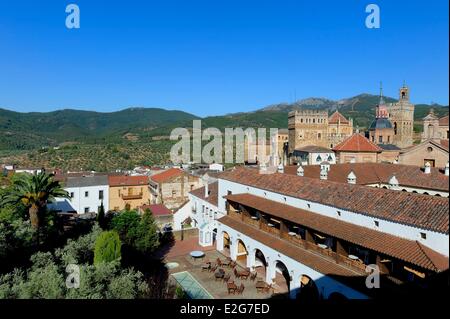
x=174 y=193
x=389 y=139
x=86 y=210
x=229 y=193
x=423 y=235
x=319 y=158
x=100 y=194
x=380 y=139
x=377 y=223
x=339 y=213
x=86 y=194
x=309 y=205
x=72 y=194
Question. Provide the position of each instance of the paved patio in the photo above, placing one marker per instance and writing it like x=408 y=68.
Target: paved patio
x=218 y=289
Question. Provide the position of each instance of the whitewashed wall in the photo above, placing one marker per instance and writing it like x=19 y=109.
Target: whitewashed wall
x=436 y=241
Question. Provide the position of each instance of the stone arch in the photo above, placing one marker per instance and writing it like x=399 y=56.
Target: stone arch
x=260 y=262
x=282 y=277
x=308 y=289
x=241 y=252
x=226 y=241
x=214 y=236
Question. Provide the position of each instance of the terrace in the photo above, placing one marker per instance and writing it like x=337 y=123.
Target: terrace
x=207 y=276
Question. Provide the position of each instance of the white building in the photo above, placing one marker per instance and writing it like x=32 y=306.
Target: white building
x=310 y=235
x=87 y=193
x=314 y=155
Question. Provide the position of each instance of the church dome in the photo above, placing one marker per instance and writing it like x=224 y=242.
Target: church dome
x=380 y=123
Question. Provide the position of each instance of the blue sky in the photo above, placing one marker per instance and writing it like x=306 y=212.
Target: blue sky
x=211 y=57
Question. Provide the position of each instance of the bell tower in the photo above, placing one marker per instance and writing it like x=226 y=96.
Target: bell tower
x=401 y=115
x=404 y=94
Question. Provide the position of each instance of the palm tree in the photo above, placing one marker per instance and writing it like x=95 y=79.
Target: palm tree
x=34 y=192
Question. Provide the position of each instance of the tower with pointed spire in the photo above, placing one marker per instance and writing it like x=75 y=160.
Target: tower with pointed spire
x=381 y=130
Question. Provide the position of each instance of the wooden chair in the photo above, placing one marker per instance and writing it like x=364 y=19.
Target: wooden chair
x=240 y=290
x=268 y=288
x=219 y=262
x=226 y=278
x=213 y=268
x=232 y=264
x=236 y=274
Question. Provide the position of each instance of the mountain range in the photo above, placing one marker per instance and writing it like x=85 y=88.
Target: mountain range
x=27 y=131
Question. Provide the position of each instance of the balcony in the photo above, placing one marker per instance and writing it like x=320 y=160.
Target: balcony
x=132 y=196
x=285 y=234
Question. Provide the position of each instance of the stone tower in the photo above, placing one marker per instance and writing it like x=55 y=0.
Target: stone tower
x=401 y=115
x=307 y=127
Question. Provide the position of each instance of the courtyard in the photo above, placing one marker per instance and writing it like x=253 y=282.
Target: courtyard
x=181 y=264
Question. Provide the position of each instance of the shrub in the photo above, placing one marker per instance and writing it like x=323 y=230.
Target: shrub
x=107 y=247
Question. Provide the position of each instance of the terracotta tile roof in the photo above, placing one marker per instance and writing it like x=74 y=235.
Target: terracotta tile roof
x=306 y=257
x=422 y=211
x=314 y=149
x=357 y=143
x=213 y=193
x=166 y=175
x=379 y=173
x=157 y=209
x=336 y=117
x=404 y=249
x=444 y=143
x=125 y=180
x=443 y=121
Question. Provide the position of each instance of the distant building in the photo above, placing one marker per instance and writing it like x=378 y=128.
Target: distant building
x=435 y=128
x=429 y=151
x=357 y=149
x=172 y=186
x=313 y=155
x=315 y=127
x=128 y=191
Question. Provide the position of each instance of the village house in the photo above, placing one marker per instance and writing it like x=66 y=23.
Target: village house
x=357 y=149
x=172 y=186
x=128 y=192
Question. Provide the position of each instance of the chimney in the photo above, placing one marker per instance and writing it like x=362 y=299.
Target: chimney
x=447 y=167
x=351 y=178
x=280 y=168
x=324 y=174
x=205 y=182
x=300 y=170
x=393 y=183
x=427 y=169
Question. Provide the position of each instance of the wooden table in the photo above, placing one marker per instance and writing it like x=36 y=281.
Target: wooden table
x=231 y=287
x=219 y=274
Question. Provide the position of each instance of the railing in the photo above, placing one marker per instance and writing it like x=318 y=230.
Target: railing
x=251 y=221
x=132 y=196
x=339 y=259
x=271 y=230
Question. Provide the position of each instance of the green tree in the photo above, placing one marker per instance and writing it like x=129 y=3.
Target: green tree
x=101 y=216
x=147 y=238
x=34 y=192
x=126 y=224
x=107 y=247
